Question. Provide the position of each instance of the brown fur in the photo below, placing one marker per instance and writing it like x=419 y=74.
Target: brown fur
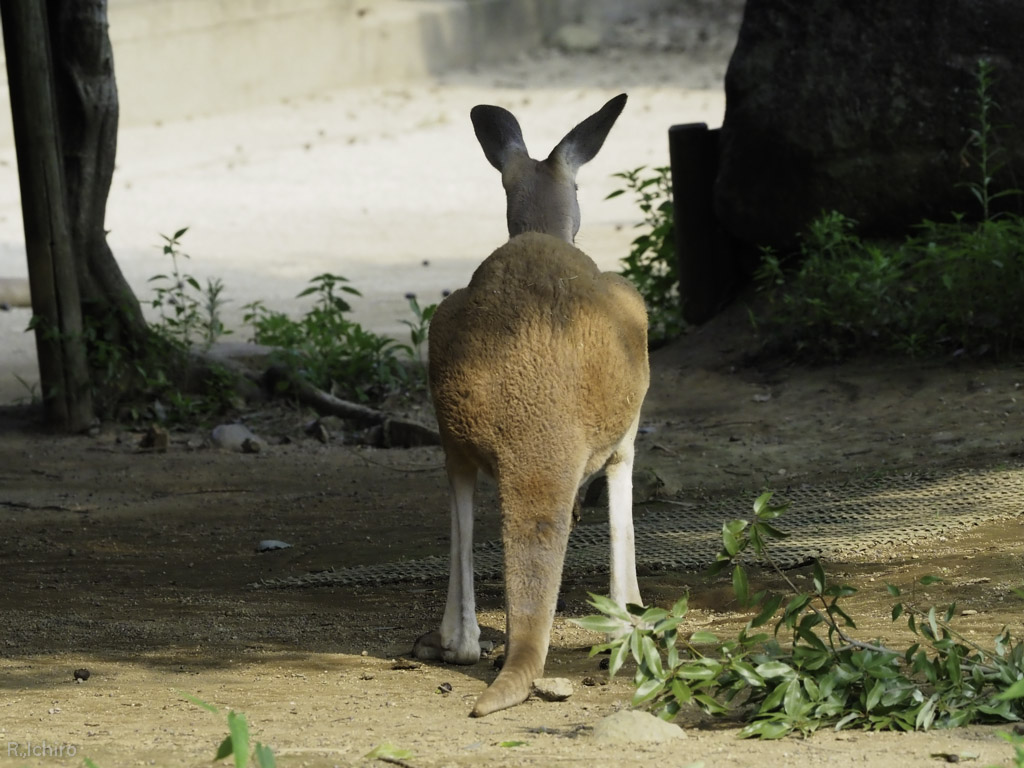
x=537 y=370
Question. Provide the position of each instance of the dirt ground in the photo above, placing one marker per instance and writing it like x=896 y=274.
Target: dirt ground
x=136 y=565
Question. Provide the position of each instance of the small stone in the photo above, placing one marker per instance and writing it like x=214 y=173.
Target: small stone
x=444 y=689
x=552 y=688
x=81 y=675
x=271 y=545
x=630 y=726
x=405 y=664
x=236 y=437
x=155 y=439
x=968 y=612
x=318 y=430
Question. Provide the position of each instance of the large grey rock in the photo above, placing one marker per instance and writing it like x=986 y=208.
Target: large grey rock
x=864 y=108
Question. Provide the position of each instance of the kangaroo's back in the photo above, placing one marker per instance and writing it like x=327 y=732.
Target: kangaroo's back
x=540 y=340
x=538 y=369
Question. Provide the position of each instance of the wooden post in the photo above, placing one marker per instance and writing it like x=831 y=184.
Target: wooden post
x=57 y=321
x=707 y=267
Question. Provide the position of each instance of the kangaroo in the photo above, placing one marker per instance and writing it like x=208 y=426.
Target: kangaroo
x=537 y=372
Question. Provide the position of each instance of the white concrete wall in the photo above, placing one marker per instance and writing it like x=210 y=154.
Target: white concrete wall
x=181 y=58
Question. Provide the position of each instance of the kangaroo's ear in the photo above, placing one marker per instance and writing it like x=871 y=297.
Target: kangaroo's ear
x=582 y=143
x=499 y=134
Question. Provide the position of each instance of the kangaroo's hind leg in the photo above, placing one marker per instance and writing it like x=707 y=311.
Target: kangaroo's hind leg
x=458 y=640
x=619 y=470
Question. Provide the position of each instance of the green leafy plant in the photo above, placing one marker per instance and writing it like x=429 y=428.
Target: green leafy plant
x=950 y=287
x=189 y=314
x=332 y=351
x=811 y=671
x=419 y=327
x=237 y=744
x=388 y=753
x=984 y=150
x=651 y=264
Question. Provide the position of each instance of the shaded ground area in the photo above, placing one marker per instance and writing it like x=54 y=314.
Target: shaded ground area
x=135 y=565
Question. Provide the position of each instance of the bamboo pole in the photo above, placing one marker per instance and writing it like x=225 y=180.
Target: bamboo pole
x=56 y=306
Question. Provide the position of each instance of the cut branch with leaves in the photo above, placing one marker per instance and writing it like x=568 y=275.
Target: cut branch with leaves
x=823 y=674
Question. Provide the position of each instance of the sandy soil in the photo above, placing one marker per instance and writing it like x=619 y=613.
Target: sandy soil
x=135 y=565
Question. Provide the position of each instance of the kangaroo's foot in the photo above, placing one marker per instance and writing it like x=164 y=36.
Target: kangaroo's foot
x=431 y=647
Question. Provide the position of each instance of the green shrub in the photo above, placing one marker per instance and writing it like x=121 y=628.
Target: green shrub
x=950 y=287
x=333 y=352
x=651 y=264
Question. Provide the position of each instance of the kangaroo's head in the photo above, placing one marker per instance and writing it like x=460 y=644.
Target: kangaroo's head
x=541 y=194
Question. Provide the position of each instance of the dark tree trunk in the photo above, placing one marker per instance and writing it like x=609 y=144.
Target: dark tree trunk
x=88 y=111
x=57 y=316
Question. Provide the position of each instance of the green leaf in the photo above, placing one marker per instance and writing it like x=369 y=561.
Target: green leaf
x=761 y=503
x=387 y=752
x=772 y=669
x=926 y=715
x=652 y=616
x=819 y=577
x=768 y=609
x=846 y=720
x=703 y=637
x=681 y=692
x=224 y=749
x=746 y=671
x=652 y=659
x=635 y=646
x=617 y=659
x=511 y=744
x=681 y=606
x=1015 y=691
x=929 y=579
x=696 y=670
x=730 y=542
x=648 y=689
x=739 y=585
x=874 y=695
x=239 y=730
x=765 y=729
x=264 y=756
x=199 y=702
x=709 y=704
x=897 y=611
x=793 y=702
x=772 y=531
x=609 y=607
x=953 y=668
